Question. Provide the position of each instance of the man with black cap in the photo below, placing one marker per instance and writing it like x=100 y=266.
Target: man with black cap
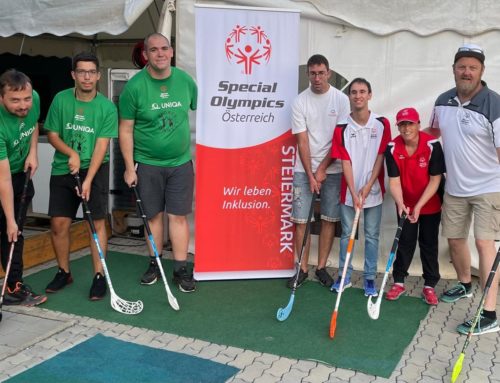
x=468 y=119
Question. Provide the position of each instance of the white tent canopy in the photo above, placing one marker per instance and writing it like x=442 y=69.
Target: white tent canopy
x=62 y=17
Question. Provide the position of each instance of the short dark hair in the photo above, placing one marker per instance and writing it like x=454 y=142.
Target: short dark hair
x=318 y=60
x=146 y=39
x=359 y=80
x=13 y=79
x=85 y=56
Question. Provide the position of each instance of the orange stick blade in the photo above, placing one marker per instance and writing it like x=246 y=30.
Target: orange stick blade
x=333 y=324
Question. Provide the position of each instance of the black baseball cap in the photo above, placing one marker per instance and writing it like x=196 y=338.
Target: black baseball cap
x=470 y=50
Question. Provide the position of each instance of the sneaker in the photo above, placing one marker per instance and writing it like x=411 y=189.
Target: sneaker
x=61 y=279
x=324 y=278
x=152 y=273
x=429 y=296
x=455 y=293
x=98 y=288
x=336 y=286
x=22 y=295
x=370 y=289
x=302 y=278
x=483 y=326
x=184 y=280
x=395 y=292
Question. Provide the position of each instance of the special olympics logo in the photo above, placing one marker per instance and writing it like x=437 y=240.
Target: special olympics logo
x=248 y=46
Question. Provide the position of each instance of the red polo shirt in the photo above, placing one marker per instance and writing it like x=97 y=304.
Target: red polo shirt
x=415 y=170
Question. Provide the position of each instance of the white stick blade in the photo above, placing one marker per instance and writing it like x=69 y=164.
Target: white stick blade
x=373 y=308
x=126 y=307
x=172 y=301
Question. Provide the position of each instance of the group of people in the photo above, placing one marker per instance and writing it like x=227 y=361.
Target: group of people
x=80 y=123
x=342 y=145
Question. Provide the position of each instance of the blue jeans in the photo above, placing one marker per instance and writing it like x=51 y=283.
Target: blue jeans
x=329 y=198
x=372 y=218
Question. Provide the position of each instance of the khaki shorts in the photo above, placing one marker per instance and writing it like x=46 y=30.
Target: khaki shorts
x=458 y=212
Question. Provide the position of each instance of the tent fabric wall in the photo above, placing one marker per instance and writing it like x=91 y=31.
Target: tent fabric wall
x=406 y=66
x=421 y=17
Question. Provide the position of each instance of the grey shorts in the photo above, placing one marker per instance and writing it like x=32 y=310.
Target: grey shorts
x=64 y=202
x=329 y=195
x=458 y=211
x=167 y=189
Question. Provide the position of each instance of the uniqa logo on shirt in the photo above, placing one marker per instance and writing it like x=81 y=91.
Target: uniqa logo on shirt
x=166 y=105
x=81 y=128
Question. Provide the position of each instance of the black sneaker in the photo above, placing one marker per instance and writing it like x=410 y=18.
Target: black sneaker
x=324 y=278
x=302 y=278
x=22 y=295
x=483 y=326
x=152 y=274
x=61 y=279
x=98 y=288
x=184 y=280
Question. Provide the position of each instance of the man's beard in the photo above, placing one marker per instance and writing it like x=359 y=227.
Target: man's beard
x=18 y=113
x=466 y=88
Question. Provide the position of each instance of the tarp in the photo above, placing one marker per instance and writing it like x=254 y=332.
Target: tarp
x=62 y=17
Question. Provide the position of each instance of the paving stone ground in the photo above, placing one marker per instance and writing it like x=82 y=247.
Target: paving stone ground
x=28 y=336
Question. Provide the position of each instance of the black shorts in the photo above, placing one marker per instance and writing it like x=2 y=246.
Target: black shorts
x=167 y=189
x=64 y=201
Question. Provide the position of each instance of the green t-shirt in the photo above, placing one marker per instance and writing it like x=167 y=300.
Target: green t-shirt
x=79 y=124
x=160 y=109
x=15 y=135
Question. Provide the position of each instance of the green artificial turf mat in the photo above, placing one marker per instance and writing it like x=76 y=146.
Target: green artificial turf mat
x=243 y=314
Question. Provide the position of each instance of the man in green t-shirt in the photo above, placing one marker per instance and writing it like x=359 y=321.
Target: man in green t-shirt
x=19 y=112
x=155 y=135
x=80 y=124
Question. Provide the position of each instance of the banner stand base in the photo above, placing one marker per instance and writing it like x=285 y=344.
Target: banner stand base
x=251 y=274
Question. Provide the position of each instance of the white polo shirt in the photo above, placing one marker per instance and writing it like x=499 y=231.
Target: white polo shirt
x=471 y=134
x=318 y=114
x=361 y=145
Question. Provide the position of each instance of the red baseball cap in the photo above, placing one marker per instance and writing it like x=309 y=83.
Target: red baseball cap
x=407 y=114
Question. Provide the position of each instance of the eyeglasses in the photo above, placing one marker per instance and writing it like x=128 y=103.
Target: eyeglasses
x=83 y=73
x=471 y=49
x=317 y=74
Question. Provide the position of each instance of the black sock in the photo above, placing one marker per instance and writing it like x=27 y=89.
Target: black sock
x=467 y=286
x=490 y=314
x=179 y=265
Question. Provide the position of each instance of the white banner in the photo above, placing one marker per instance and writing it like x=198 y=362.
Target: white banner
x=247 y=61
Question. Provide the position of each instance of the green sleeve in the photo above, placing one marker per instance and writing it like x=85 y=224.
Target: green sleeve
x=36 y=104
x=3 y=148
x=194 y=100
x=126 y=104
x=52 y=122
x=110 y=124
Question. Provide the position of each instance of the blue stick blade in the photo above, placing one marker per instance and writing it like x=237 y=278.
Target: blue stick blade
x=283 y=313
